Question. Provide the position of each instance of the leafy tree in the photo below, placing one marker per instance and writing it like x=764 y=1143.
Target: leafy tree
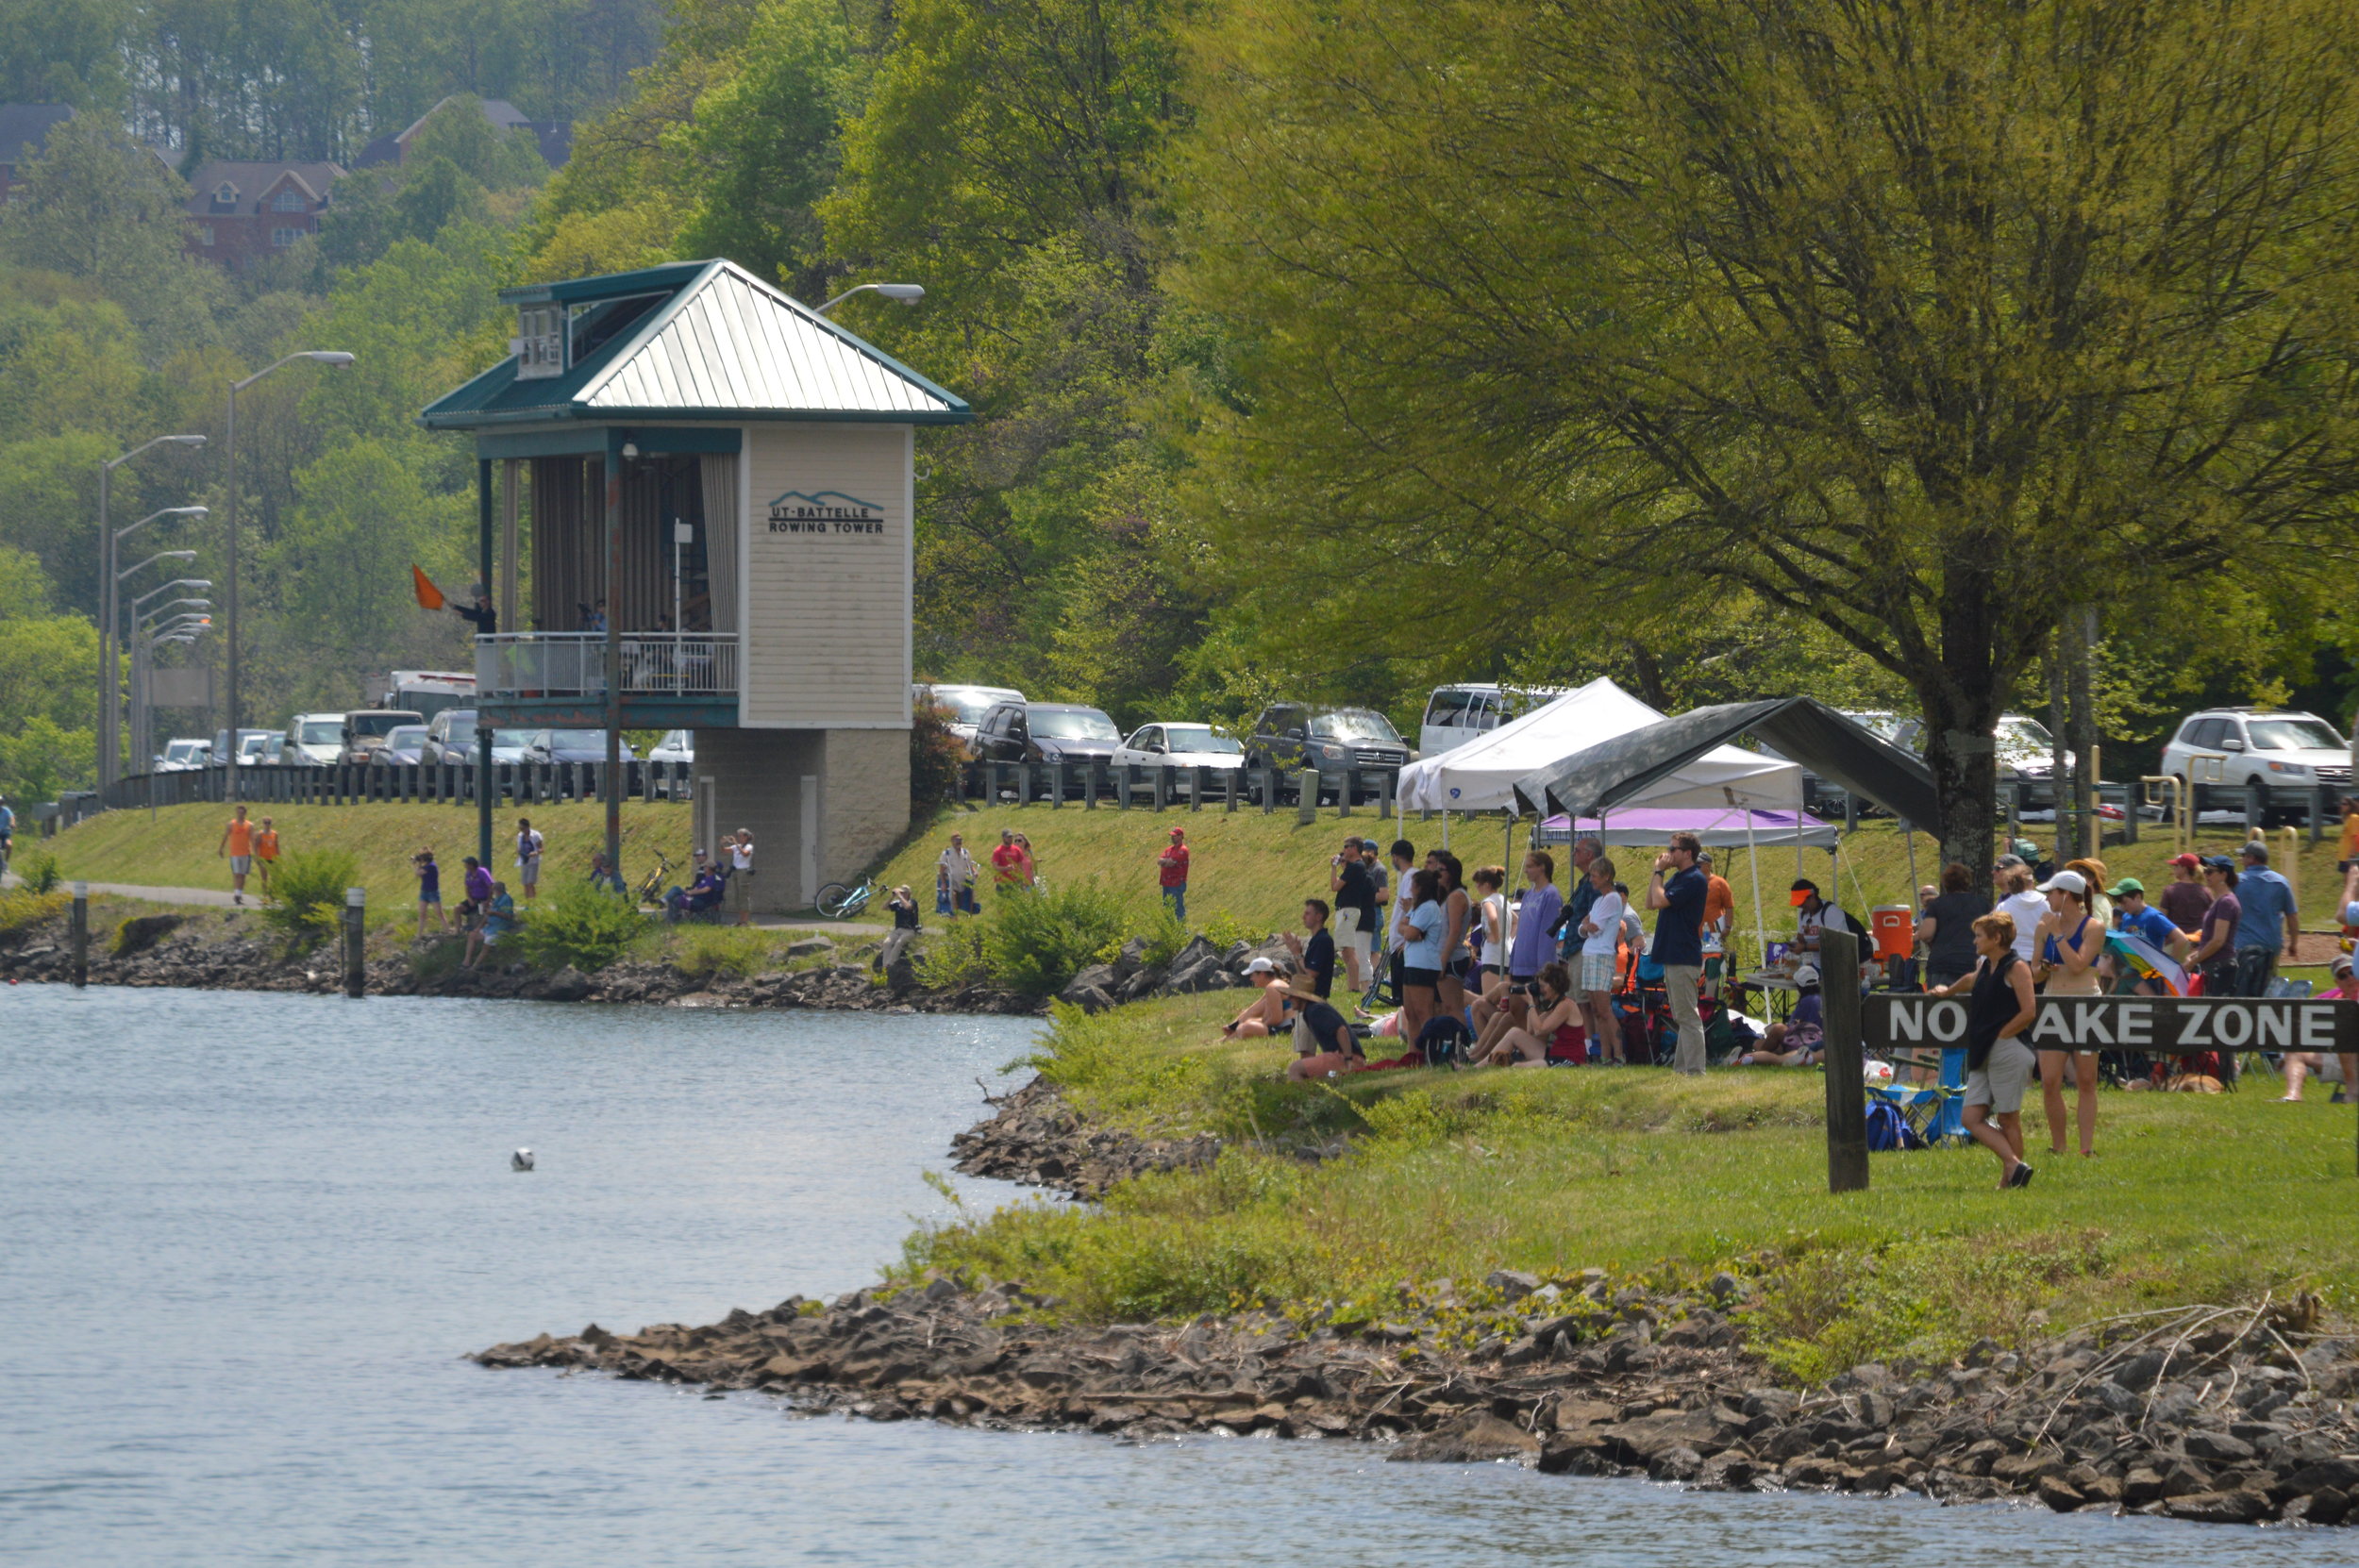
x=494 y=159
x=64 y=52
x=97 y=205
x=1915 y=321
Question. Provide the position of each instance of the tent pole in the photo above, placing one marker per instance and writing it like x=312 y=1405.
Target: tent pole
x=1752 y=863
x=1908 y=834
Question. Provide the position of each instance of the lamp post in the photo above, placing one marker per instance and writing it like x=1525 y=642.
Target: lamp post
x=332 y=357
x=109 y=681
x=908 y=293
x=183 y=628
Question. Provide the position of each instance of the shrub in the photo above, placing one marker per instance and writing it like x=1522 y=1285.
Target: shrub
x=580 y=925
x=38 y=873
x=953 y=957
x=937 y=756
x=1033 y=943
x=21 y=907
x=308 y=889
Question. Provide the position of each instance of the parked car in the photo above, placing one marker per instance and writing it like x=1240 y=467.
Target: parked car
x=1174 y=745
x=2223 y=753
x=365 y=729
x=249 y=742
x=403 y=744
x=1045 y=732
x=569 y=745
x=2026 y=754
x=450 y=738
x=1291 y=737
x=678 y=746
x=314 y=737
x=967 y=704
x=185 y=753
x=1456 y=714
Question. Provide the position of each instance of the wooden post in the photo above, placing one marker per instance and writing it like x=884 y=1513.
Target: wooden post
x=1844 y=1059
x=1056 y=786
x=1344 y=793
x=1089 y=785
x=355 y=942
x=1023 y=783
x=1387 y=782
x=1229 y=789
x=1195 y=789
x=1161 y=781
x=1306 y=797
x=1122 y=788
x=81 y=935
x=1270 y=790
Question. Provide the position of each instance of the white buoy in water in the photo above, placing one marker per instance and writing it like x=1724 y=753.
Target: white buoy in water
x=520 y=1161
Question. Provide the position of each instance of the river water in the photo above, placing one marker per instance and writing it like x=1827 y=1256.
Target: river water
x=245 y=1240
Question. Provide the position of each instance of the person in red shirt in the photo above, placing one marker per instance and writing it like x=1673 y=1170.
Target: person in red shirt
x=1171 y=869
x=1006 y=863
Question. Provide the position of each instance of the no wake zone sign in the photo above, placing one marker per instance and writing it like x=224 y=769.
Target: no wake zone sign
x=828 y=514
x=2164 y=1025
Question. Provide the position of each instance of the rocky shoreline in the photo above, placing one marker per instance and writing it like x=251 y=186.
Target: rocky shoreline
x=2212 y=1415
x=2223 y=1415
x=174 y=950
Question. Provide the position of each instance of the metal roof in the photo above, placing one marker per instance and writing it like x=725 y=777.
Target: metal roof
x=725 y=346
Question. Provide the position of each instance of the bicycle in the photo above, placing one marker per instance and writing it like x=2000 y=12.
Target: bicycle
x=653 y=886
x=838 y=902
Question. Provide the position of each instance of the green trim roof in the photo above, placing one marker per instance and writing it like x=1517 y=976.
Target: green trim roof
x=725 y=346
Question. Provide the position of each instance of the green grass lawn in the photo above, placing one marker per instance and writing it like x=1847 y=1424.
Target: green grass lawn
x=177 y=848
x=2190 y=1198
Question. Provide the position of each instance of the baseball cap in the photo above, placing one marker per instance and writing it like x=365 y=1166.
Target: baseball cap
x=2124 y=888
x=2218 y=862
x=2026 y=848
x=2070 y=881
x=2190 y=861
x=1261 y=966
x=1179 y=832
x=1806 y=975
x=2008 y=862
x=2253 y=849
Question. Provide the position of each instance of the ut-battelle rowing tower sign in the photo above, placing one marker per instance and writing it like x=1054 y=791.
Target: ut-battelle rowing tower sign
x=734 y=474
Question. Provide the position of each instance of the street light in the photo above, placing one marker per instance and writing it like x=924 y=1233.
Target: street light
x=177 y=582
x=130 y=572
x=908 y=293
x=183 y=629
x=336 y=359
x=110 y=683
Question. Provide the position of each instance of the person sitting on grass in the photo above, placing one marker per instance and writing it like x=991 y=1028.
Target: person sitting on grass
x=1317 y=955
x=1555 y=1021
x=1798 y=1042
x=1323 y=1043
x=1998 y=1063
x=2299 y=1064
x=1266 y=1014
x=499 y=919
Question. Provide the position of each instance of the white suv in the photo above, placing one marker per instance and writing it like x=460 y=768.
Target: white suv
x=2224 y=752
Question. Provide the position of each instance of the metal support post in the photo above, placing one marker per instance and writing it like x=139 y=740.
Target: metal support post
x=355 y=942
x=81 y=935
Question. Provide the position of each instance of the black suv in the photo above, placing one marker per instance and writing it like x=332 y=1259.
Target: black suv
x=1044 y=732
x=1291 y=737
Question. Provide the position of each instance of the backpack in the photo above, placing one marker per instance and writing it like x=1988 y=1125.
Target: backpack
x=1888 y=1130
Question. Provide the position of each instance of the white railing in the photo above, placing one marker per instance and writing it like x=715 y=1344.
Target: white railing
x=573 y=664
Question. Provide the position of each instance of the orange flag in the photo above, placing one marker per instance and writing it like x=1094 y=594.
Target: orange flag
x=429 y=596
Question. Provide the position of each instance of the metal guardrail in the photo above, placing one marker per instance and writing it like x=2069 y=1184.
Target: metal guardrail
x=1139 y=786
x=573 y=664
x=358 y=783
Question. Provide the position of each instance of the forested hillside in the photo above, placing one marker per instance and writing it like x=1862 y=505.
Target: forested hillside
x=1336 y=350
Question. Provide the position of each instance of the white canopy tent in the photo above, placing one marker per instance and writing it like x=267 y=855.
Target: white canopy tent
x=1481 y=774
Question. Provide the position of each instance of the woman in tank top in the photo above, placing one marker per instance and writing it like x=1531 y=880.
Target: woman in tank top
x=2070 y=941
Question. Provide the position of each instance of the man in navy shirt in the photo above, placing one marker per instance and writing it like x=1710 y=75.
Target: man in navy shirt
x=1317 y=955
x=1678 y=890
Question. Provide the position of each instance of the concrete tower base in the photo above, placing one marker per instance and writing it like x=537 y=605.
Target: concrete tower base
x=821 y=804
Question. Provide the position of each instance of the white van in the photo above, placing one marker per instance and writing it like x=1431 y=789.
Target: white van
x=1456 y=714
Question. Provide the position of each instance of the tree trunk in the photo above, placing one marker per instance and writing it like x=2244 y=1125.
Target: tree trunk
x=2080 y=633
x=1963 y=762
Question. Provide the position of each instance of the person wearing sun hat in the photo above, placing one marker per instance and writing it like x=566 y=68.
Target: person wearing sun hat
x=2071 y=940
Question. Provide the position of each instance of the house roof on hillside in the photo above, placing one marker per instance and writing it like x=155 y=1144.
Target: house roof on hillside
x=252 y=181
x=26 y=127
x=695 y=340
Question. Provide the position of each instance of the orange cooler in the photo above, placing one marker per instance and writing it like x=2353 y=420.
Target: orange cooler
x=1895 y=925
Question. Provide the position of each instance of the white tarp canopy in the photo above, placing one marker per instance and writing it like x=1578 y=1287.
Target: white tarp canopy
x=1481 y=774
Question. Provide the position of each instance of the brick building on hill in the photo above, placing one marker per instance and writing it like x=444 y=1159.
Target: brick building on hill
x=242 y=212
x=556 y=137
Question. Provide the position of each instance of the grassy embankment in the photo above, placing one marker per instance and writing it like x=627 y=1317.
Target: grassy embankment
x=2191 y=1198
